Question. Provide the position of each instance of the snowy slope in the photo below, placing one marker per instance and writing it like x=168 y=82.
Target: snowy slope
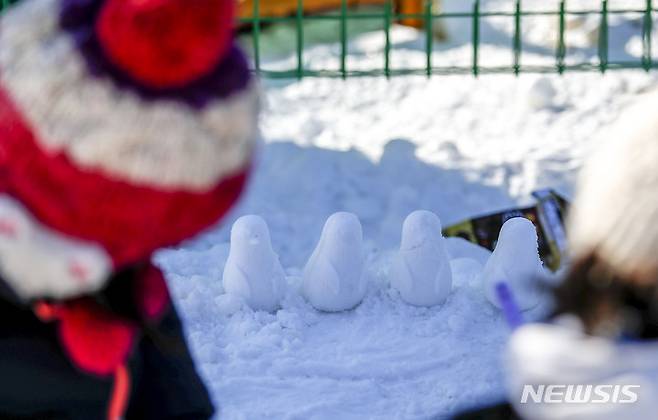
x=455 y=145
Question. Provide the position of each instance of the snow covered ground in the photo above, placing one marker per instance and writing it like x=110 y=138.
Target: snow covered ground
x=457 y=146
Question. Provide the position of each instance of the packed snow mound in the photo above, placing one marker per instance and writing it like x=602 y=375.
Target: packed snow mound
x=384 y=359
x=253 y=271
x=515 y=262
x=334 y=275
x=421 y=270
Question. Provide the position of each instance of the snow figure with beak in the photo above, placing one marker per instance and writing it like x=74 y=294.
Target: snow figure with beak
x=515 y=262
x=253 y=271
x=421 y=271
x=333 y=277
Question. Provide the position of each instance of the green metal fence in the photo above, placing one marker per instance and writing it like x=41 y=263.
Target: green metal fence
x=387 y=15
x=5 y=3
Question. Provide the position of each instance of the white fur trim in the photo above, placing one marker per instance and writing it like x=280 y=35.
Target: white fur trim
x=37 y=262
x=159 y=143
x=616 y=206
x=561 y=354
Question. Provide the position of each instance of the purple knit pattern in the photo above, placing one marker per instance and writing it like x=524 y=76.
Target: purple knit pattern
x=231 y=75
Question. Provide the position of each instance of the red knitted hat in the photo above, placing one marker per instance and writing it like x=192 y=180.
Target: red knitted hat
x=125 y=126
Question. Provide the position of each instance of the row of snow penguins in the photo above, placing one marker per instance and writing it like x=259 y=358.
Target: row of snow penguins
x=333 y=278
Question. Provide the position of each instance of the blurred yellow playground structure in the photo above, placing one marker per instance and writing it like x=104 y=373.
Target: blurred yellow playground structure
x=274 y=8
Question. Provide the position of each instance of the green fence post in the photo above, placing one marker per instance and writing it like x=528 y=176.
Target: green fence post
x=299 y=22
x=256 y=35
x=388 y=8
x=429 y=37
x=476 y=37
x=603 y=37
x=647 y=29
x=517 y=38
x=343 y=38
x=561 y=45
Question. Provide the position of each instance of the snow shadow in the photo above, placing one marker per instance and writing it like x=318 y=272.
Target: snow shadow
x=296 y=188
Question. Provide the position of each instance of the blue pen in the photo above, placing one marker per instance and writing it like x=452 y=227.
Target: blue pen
x=509 y=306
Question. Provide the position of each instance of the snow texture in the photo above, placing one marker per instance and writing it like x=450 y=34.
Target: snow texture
x=253 y=271
x=333 y=279
x=421 y=269
x=457 y=146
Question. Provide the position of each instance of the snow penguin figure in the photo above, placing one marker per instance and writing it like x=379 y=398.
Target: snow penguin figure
x=253 y=271
x=515 y=261
x=333 y=278
x=421 y=271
